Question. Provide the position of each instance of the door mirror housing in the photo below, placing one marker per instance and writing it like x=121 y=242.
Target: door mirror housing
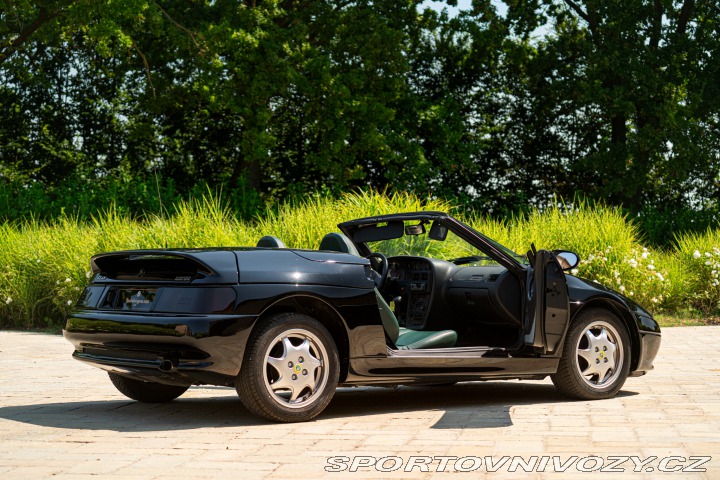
x=567 y=259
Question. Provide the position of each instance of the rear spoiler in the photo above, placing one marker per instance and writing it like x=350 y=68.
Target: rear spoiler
x=166 y=267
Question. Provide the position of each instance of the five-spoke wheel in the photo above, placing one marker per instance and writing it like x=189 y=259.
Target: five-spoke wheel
x=596 y=357
x=290 y=370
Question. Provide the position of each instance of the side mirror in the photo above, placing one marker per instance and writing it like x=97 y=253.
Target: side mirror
x=567 y=259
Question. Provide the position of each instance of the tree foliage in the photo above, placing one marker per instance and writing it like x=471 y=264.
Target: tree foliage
x=642 y=76
x=501 y=106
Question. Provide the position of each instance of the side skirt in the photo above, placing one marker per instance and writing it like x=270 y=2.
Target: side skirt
x=456 y=364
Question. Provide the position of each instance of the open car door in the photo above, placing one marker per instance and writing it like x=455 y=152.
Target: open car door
x=547 y=308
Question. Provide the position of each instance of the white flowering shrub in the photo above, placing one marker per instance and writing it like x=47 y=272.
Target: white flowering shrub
x=633 y=273
x=700 y=257
x=706 y=292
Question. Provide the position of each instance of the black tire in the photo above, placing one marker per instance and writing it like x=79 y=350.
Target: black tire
x=596 y=357
x=147 y=392
x=272 y=374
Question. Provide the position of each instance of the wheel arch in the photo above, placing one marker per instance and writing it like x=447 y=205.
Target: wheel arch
x=624 y=315
x=319 y=309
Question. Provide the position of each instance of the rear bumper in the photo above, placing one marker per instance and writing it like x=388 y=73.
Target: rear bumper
x=160 y=370
x=178 y=350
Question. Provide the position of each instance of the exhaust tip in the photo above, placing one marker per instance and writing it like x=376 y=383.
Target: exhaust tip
x=166 y=366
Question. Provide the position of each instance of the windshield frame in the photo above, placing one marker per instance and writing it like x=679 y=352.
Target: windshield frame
x=503 y=255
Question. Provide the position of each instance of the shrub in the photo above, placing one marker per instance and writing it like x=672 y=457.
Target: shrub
x=609 y=247
x=44 y=265
x=44 y=268
x=699 y=254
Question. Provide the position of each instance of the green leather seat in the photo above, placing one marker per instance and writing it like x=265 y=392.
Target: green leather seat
x=406 y=339
x=403 y=338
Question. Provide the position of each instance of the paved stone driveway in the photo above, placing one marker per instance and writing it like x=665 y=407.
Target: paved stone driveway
x=62 y=419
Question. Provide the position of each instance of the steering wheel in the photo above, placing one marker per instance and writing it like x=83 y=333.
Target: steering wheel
x=383 y=272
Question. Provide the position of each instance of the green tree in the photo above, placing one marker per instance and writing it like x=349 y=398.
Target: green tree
x=633 y=94
x=502 y=109
x=283 y=96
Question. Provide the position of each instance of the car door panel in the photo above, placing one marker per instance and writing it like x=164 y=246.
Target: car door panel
x=547 y=303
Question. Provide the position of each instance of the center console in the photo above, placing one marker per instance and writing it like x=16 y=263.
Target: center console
x=412 y=282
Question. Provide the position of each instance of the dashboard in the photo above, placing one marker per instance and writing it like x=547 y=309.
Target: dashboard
x=431 y=294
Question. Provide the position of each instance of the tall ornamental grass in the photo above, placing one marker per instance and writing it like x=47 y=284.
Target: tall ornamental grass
x=44 y=265
x=303 y=224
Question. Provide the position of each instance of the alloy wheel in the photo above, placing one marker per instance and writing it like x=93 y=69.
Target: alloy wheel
x=295 y=368
x=599 y=355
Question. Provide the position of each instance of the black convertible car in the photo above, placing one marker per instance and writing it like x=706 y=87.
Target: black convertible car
x=409 y=298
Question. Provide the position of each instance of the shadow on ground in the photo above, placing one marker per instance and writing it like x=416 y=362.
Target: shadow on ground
x=466 y=405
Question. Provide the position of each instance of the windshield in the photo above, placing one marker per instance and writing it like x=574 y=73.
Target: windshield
x=453 y=248
x=518 y=257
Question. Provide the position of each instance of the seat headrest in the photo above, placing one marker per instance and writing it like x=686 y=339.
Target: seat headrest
x=269 y=241
x=337 y=242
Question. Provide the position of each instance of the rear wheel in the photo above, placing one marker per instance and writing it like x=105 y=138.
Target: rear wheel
x=290 y=370
x=596 y=357
x=148 y=392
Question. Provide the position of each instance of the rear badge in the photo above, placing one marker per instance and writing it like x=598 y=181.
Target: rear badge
x=136 y=299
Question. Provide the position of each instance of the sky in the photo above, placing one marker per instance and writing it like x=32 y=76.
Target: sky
x=501 y=6
x=461 y=5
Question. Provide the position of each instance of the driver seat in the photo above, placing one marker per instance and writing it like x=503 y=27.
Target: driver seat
x=407 y=339
x=403 y=338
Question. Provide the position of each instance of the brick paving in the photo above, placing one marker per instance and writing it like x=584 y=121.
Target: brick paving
x=62 y=419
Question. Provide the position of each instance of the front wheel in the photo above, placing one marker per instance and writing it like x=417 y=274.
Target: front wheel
x=148 y=392
x=290 y=370
x=596 y=357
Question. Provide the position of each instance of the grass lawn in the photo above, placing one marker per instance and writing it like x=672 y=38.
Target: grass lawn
x=685 y=321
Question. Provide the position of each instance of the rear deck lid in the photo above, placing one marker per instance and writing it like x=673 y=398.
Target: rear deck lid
x=166 y=267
